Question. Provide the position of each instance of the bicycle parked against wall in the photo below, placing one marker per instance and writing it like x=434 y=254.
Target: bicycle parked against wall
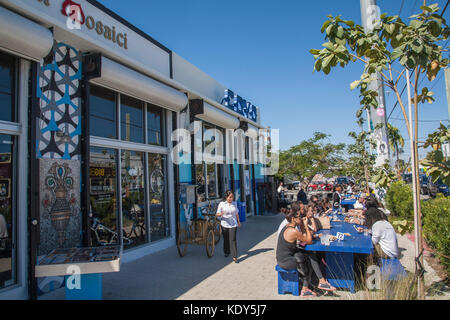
x=201 y=231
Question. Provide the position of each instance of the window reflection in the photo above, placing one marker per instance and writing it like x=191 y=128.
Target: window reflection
x=7 y=78
x=103 y=113
x=103 y=196
x=159 y=217
x=133 y=198
x=131 y=119
x=7 y=264
x=154 y=125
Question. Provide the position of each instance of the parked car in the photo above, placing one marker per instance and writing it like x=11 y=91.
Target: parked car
x=442 y=187
x=296 y=185
x=313 y=186
x=427 y=187
x=343 y=180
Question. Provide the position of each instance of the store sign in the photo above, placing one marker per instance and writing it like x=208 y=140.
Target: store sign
x=76 y=18
x=236 y=103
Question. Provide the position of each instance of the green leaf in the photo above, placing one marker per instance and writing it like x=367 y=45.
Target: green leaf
x=325 y=25
x=416 y=24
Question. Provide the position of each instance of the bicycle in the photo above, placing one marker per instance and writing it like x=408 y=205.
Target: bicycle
x=111 y=236
x=210 y=213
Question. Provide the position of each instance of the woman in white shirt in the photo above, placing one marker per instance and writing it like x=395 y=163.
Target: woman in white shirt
x=228 y=213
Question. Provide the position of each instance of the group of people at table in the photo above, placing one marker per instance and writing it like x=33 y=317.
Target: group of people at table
x=302 y=224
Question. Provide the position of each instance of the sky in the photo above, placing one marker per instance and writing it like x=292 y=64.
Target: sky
x=260 y=50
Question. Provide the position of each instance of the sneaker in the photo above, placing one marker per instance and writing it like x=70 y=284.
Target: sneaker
x=326 y=286
x=308 y=294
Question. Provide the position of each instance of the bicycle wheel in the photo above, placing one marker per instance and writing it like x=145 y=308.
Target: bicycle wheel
x=182 y=242
x=210 y=243
x=217 y=232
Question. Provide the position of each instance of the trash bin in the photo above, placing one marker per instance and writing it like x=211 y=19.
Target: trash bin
x=241 y=208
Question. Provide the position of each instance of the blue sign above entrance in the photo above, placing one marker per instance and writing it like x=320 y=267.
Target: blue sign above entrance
x=236 y=103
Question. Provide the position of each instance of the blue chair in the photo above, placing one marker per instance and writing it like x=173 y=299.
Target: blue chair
x=287 y=281
x=392 y=269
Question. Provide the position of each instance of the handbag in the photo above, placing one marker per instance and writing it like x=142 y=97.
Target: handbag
x=325 y=223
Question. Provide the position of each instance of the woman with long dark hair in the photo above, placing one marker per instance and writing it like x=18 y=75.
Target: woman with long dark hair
x=384 y=237
x=229 y=214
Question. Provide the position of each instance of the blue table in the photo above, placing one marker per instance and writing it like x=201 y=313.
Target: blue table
x=348 y=203
x=339 y=255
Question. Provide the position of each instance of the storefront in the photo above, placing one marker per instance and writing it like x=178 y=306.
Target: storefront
x=99 y=100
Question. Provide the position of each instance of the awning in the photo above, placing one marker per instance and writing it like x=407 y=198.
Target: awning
x=24 y=37
x=208 y=113
x=122 y=79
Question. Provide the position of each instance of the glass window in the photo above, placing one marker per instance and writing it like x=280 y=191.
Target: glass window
x=212 y=180
x=133 y=199
x=159 y=216
x=103 y=113
x=131 y=119
x=200 y=182
x=7 y=81
x=154 y=125
x=103 y=196
x=7 y=221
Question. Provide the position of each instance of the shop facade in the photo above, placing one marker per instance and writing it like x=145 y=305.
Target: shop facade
x=89 y=105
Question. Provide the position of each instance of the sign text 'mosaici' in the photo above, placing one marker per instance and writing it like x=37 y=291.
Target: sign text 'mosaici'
x=75 y=13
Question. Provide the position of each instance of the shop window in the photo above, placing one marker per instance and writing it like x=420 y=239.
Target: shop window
x=131 y=119
x=159 y=216
x=154 y=125
x=7 y=87
x=7 y=221
x=103 y=113
x=133 y=198
x=103 y=196
x=200 y=181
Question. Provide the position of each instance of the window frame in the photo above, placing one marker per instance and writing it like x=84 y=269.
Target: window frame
x=120 y=145
x=14 y=130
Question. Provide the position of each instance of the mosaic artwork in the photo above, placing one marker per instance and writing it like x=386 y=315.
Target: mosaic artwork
x=60 y=221
x=59 y=93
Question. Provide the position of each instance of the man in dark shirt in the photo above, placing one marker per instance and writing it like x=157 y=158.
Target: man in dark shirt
x=301 y=196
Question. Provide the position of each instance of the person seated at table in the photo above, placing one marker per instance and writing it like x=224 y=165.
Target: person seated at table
x=359 y=207
x=327 y=208
x=290 y=256
x=314 y=226
x=384 y=237
x=296 y=206
x=337 y=197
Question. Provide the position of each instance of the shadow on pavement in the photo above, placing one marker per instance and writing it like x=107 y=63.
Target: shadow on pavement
x=254 y=253
x=165 y=275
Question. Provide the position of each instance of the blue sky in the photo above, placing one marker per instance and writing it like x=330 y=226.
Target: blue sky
x=260 y=50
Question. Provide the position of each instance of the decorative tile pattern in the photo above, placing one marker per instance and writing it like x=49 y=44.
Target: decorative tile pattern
x=60 y=220
x=59 y=93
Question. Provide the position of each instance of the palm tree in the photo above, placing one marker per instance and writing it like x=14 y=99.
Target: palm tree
x=396 y=142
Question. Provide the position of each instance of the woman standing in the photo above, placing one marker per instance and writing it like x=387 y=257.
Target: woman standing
x=229 y=214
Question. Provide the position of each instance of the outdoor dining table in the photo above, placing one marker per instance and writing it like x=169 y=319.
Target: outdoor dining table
x=339 y=255
x=348 y=203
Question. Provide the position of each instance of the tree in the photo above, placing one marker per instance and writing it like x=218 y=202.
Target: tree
x=310 y=157
x=396 y=52
x=396 y=142
x=361 y=160
x=435 y=162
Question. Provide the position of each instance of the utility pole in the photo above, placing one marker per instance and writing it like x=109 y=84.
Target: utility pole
x=370 y=14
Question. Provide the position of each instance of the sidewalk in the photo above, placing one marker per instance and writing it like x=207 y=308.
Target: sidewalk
x=167 y=276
